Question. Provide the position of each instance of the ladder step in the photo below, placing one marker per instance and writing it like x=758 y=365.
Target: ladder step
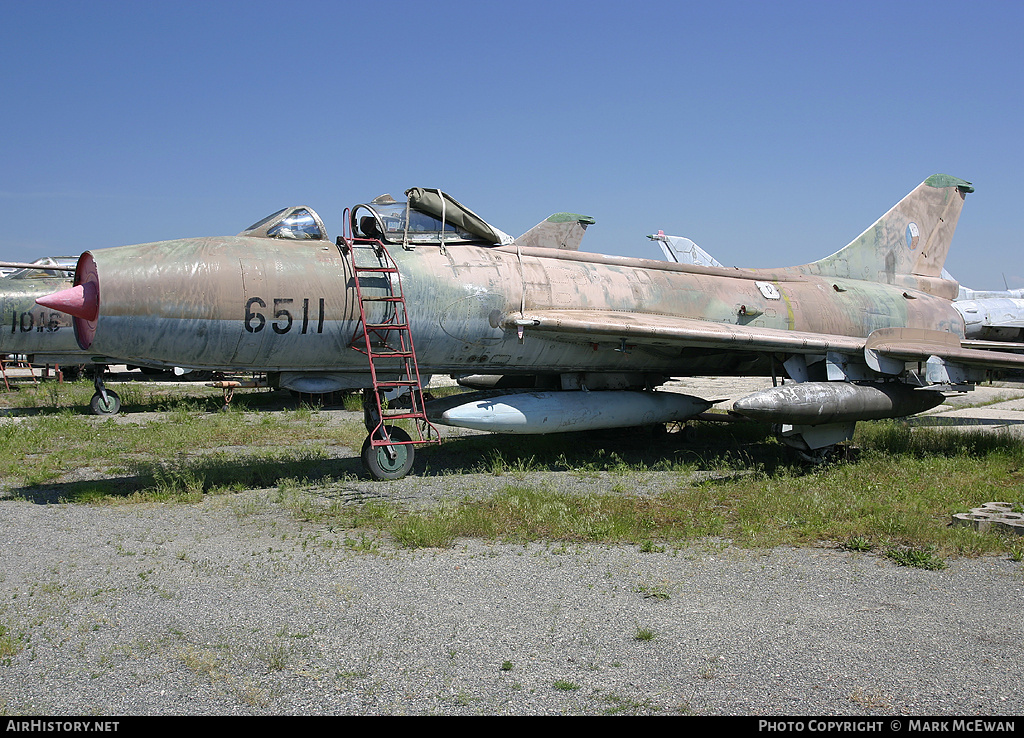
x=389 y=298
x=387 y=270
x=387 y=327
x=404 y=416
x=380 y=348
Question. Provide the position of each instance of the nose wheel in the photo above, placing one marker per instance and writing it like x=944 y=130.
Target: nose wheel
x=104 y=401
x=388 y=453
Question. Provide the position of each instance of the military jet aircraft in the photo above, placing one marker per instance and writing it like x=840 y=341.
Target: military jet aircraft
x=992 y=315
x=425 y=286
x=42 y=336
x=993 y=318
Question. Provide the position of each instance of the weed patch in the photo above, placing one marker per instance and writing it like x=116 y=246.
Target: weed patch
x=916 y=558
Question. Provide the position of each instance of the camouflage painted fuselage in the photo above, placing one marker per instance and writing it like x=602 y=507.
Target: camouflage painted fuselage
x=256 y=304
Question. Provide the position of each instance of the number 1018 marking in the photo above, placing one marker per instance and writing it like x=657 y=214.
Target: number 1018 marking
x=284 y=320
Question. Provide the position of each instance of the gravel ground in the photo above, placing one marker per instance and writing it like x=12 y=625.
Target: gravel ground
x=233 y=607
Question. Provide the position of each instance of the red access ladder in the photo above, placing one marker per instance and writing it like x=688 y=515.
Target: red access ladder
x=388 y=341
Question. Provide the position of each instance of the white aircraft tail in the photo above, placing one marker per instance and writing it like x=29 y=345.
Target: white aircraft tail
x=683 y=251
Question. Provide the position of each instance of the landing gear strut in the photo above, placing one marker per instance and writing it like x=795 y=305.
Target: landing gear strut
x=104 y=401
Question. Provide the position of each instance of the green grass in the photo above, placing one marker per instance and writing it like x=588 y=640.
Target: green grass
x=10 y=644
x=180 y=454
x=895 y=497
x=899 y=493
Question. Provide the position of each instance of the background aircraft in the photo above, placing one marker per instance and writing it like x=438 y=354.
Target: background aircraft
x=426 y=286
x=992 y=315
x=42 y=336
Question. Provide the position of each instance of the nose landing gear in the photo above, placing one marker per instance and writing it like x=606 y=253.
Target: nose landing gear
x=391 y=461
x=104 y=401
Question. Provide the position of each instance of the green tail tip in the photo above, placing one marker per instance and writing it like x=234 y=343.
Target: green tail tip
x=945 y=180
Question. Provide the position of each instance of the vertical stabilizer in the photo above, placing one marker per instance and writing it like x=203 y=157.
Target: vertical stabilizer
x=908 y=245
x=683 y=251
x=559 y=231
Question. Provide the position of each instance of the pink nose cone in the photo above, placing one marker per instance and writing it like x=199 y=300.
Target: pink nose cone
x=81 y=301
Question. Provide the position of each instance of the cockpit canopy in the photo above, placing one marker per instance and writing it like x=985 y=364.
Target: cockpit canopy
x=67 y=264
x=427 y=217
x=297 y=223
x=394 y=222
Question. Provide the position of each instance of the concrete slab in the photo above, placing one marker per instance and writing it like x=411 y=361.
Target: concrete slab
x=989 y=407
x=992 y=516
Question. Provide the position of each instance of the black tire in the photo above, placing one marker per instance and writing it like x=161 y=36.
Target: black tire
x=110 y=407
x=378 y=461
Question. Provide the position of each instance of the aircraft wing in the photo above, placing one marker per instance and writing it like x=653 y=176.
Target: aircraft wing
x=666 y=330
x=897 y=344
x=993 y=345
x=917 y=344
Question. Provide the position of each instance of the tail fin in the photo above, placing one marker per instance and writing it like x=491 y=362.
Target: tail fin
x=683 y=250
x=908 y=245
x=559 y=231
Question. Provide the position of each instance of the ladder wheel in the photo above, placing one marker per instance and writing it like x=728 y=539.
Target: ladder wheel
x=388 y=462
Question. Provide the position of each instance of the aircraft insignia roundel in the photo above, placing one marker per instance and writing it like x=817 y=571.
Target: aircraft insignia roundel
x=913 y=236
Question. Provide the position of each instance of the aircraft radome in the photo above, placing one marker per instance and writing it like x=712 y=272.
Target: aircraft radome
x=570 y=340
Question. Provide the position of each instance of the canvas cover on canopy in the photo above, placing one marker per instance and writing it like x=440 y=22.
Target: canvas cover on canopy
x=445 y=207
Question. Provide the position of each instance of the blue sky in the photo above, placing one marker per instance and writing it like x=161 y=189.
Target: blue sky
x=771 y=133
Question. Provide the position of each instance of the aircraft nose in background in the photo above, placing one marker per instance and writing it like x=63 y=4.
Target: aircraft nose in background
x=81 y=301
